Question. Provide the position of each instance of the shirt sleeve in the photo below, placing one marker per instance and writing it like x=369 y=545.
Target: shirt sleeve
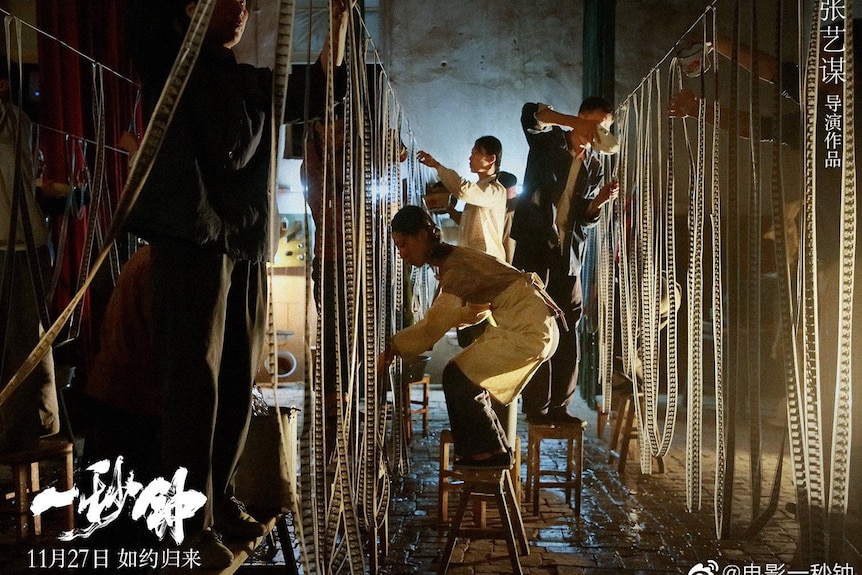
x=529 y=122
x=490 y=194
x=447 y=311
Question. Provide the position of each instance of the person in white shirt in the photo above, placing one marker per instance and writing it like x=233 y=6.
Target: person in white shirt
x=480 y=225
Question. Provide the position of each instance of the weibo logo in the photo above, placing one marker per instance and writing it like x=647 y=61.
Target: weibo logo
x=711 y=568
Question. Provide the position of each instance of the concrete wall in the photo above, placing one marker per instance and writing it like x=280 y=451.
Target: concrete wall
x=462 y=69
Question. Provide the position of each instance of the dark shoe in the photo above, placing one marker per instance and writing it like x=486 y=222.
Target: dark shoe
x=211 y=552
x=560 y=416
x=538 y=419
x=496 y=461
x=235 y=524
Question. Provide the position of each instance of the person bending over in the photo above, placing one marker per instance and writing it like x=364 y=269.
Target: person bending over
x=521 y=334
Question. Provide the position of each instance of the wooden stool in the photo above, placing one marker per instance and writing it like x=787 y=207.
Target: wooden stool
x=451 y=479
x=25 y=475
x=573 y=435
x=409 y=402
x=448 y=479
x=498 y=484
x=625 y=428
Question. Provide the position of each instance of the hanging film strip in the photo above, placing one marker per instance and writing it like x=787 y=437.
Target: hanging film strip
x=147 y=153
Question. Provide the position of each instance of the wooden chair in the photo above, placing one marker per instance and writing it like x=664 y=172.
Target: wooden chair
x=625 y=427
x=422 y=403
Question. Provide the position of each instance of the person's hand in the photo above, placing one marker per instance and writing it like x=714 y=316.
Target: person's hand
x=683 y=104
x=340 y=18
x=427 y=159
x=384 y=359
x=608 y=192
x=341 y=8
x=582 y=135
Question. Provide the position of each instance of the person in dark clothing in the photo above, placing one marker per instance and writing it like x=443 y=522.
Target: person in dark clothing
x=205 y=212
x=562 y=196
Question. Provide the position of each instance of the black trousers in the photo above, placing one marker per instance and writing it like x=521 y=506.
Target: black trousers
x=475 y=427
x=553 y=385
x=211 y=321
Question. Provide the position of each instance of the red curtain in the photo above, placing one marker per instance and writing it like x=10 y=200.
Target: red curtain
x=94 y=29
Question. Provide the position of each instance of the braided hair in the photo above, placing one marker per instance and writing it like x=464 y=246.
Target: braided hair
x=410 y=220
x=491 y=146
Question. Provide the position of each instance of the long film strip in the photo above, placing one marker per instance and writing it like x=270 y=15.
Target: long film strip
x=724 y=295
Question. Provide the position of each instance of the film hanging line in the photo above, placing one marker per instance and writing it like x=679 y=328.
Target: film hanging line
x=839 y=475
x=696 y=310
x=671 y=342
x=94 y=238
x=281 y=72
x=754 y=308
x=647 y=382
x=725 y=364
x=786 y=312
x=810 y=466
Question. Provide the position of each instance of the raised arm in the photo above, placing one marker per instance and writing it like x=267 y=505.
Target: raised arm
x=583 y=131
x=312 y=82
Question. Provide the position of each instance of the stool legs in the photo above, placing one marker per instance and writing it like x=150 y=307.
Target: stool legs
x=624 y=430
x=422 y=410
x=513 y=500
x=21 y=477
x=26 y=480
x=67 y=481
x=466 y=491
x=498 y=483
x=508 y=530
x=574 y=438
x=426 y=384
x=576 y=457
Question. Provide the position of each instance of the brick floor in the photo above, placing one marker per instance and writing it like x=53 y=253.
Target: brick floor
x=631 y=523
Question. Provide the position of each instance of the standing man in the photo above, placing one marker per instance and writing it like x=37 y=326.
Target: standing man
x=481 y=224
x=205 y=212
x=563 y=196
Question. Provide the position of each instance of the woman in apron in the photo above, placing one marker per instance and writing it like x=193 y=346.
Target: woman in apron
x=522 y=333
